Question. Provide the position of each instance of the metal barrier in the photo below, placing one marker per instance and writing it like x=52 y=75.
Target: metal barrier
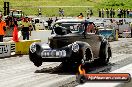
x=22 y=47
x=11 y=48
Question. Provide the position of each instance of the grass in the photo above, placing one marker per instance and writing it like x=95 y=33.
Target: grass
x=30 y=7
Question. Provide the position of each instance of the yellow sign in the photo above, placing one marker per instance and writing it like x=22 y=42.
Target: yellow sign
x=22 y=47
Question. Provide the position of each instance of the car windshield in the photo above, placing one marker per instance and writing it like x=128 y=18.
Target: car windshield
x=105 y=33
x=73 y=27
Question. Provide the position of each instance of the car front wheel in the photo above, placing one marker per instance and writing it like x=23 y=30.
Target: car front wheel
x=36 y=60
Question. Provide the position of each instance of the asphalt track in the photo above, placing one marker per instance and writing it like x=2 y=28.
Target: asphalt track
x=18 y=71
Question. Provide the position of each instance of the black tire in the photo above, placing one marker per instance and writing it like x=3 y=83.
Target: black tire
x=36 y=60
x=105 y=54
x=81 y=60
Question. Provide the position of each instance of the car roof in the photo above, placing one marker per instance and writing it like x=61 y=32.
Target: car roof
x=71 y=20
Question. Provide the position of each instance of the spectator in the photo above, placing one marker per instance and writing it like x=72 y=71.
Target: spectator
x=99 y=12
x=113 y=11
x=127 y=11
x=26 y=26
x=124 y=13
x=88 y=13
x=59 y=12
x=56 y=19
x=49 y=22
x=119 y=13
x=2 y=29
x=80 y=16
x=62 y=12
x=107 y=12
x=15 y=21
x=102 y=13
x=7 y=21
x=91 y=12
x=39 y=12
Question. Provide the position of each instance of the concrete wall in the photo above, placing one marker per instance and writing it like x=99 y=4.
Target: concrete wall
x=41 y=34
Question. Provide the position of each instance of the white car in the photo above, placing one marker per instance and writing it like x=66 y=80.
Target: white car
x=39 y=21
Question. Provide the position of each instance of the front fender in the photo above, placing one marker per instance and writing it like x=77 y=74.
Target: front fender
x=84 y=46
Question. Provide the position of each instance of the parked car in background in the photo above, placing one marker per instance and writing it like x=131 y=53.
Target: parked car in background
x=39 y=24
x=71 y=45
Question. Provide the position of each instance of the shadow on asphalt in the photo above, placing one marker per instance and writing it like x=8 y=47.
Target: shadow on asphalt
x=73 y=70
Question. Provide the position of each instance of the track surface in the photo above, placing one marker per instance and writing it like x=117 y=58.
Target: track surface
x=20 y=72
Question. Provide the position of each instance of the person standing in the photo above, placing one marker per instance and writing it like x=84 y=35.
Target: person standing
x=15 y=21
x=88 y=13
x=26 y=26
x=50 y=21
x=2 y=29
x=91 y=12
x=102 y=13
x=39 y=12
x=99 y=12
x=124 y=13
x=127 y=11
x=62 y=12
x=119 y=13
x=111 y=13
x=56 y=19
x=80 y=16
x=107 y=12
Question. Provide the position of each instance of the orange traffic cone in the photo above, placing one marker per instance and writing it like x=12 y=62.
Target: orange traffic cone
x=15 y=34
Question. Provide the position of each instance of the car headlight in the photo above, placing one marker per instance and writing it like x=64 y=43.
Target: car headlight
x=33 y=48
x=75 y=47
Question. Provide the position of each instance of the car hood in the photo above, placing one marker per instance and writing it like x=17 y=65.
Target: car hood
x=60 y=41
